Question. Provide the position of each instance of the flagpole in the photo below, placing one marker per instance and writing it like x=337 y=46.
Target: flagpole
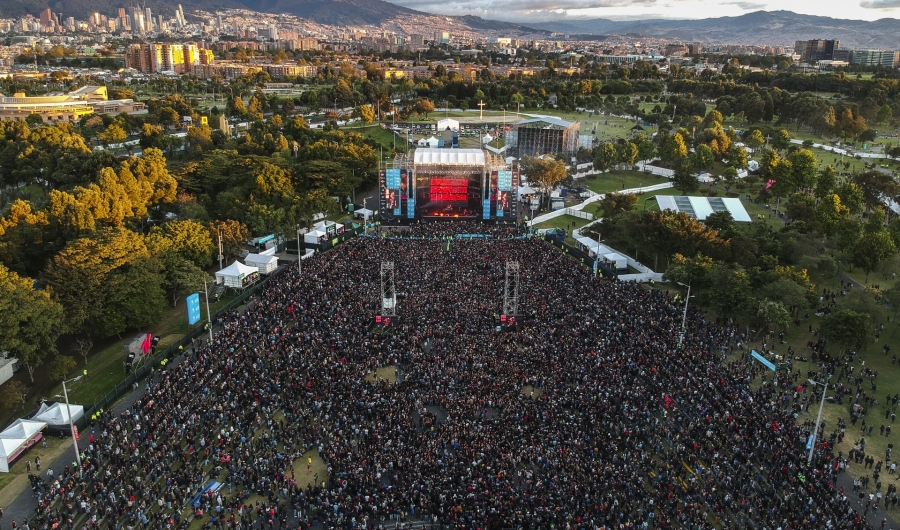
x=208 y=315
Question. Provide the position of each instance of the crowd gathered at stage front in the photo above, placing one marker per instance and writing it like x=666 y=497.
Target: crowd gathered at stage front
x=589 y=416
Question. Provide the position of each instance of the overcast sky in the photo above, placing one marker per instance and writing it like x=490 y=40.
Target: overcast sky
x=534 y=10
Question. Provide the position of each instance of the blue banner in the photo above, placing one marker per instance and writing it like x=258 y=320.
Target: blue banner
x=411 y=206
x=193 y=309
x=504 y=180
x=392 y=179
x=487 y=209
x=765 y=362
x=810 y=441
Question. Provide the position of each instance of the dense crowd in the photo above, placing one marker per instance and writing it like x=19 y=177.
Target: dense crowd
x=588 y=417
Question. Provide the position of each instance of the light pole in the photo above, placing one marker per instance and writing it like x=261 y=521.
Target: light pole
x=812 y=445
x=71 y=425
x=299 y=257
x=684 y=315
x=208 y=315
x=365 y=217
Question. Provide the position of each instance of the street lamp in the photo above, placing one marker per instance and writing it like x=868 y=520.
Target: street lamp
x=299 y=257
x=684 y=315
x=365 y=217
x=71 y=425
x=208 y=315
x=812 y=442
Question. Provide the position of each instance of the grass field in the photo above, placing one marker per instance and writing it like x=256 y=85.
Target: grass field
x=617 y=180
x=12 y=484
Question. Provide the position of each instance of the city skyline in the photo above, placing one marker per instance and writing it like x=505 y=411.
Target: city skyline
x=524 y=11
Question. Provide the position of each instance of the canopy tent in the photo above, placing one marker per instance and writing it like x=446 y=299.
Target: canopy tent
x=237 y=275
x=487 y=138
x=56 y=415
x=620 y=260
x=315 y=236
x=264 y=263
x=18 y=437
x=432 y=142
x=443 y=124
x=363 y=213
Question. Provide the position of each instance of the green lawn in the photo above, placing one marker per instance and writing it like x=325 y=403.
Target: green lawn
x=617 y=180
x=565 y=222
x=106 y=368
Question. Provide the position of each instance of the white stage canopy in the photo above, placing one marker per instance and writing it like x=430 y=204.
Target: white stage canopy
x=701 y=207
x=18 y=437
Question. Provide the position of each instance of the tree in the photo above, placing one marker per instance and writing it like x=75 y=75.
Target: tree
x=737 y=157
x=689 y=271
x=829 y=213
x=190 y=240
x=852 y=196
x=13 y=393
x=722 y=221
x=755 y=139
x=885 y=115
x=771 y=312
x=628 y=153
x=826 y=183
x=768 y=164
x=804 y=166
x=606 y=156
x=614 y=203
x=672 y=149
x=788 y=292
x=544 y=172
x=729 y=290
x=366 y=113
x=425 y=107
x=61 y=367
x=847 y=328
x=703 y=157
x=30 y=321
x=235 y=107
x=684 y=179
x=871 y=249
x=234 y=236
x=876 y=186
x=801 y=207
x=113 y=134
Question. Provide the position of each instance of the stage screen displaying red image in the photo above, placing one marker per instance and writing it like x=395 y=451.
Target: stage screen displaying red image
x=449 y=190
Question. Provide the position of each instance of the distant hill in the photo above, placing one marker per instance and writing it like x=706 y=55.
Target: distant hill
x=759 y=27
x=325 y=12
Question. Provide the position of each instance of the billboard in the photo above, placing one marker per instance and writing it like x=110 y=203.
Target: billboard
x=193 y=308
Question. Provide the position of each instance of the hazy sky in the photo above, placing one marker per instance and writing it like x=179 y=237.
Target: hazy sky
x=525 y=10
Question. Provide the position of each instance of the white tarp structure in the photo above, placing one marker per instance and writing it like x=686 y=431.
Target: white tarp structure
x=315 y=236
x=18 y=437
x=448 y=122
x=432 y=142
x=264 y=263
x=487 y=138
x=363 y=213
x=449 y=157
x=236 y=275
x=620 y=261
x=57 y=414
x=701 y=207
x=7 y=368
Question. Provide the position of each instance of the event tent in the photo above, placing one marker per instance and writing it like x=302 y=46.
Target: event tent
x=700 y=207
x=264 y=263
x=56 y=415
x=236 y=275
x=443 y=124
x=487 y=138
x=363 y=213
x=19 y=436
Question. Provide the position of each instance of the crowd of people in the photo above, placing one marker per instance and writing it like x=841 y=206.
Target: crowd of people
x=589 y=416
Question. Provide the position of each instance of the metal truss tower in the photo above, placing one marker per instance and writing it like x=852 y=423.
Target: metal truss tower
x=388 y=290
x=511 y=289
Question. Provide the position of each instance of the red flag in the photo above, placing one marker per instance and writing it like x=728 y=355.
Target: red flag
x=770 y=183
x=147 y=344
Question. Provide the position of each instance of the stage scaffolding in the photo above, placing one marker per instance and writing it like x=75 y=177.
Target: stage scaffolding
x=543 y=136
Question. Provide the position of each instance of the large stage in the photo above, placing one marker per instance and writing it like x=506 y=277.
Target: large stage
x=448 y=183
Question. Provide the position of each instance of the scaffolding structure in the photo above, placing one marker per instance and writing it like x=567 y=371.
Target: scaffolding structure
x=388 y=290
x=511 y=289
x=542 y=136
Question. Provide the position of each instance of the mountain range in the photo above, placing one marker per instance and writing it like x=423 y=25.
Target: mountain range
x=760 y=27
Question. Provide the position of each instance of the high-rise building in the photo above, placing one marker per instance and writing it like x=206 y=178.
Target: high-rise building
x=70 y=24
x=814 y=50
x=148 y=20
x=179 y=17
x=46 y=18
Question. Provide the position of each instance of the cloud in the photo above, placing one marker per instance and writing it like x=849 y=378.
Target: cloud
x=747 y=6
x=880 y=4
x=519 y=10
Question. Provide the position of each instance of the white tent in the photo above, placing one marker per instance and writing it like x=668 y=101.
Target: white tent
x=620 y=260
x=422 y=142
x=315 y=236
x=487 y=138
x=237 y=275
x=57 y=414
x=448 y=122
x=363 y=213
x=18 y=437
x=264 y=263
x=432 y=142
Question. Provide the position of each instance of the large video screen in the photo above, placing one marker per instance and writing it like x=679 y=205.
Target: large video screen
x=449 y=190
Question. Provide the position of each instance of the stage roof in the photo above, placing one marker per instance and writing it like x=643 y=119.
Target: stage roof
x=449 y=157
x=550 y=120
x=700 y=207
